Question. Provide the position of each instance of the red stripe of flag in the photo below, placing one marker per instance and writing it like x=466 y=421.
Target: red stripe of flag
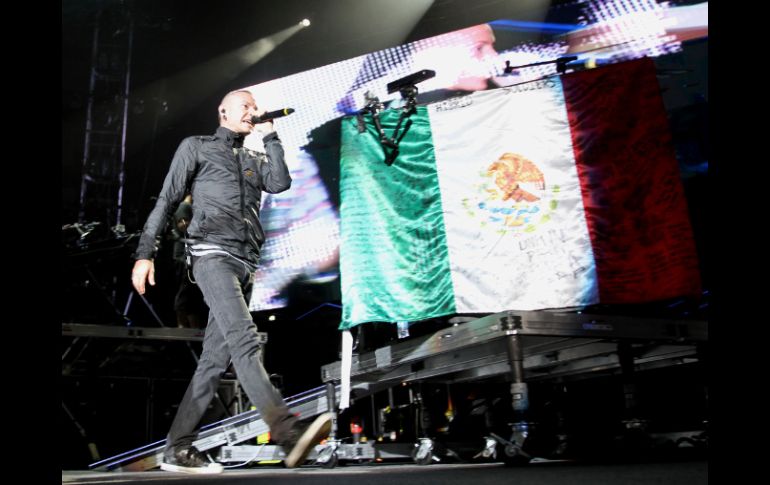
x=632 y=193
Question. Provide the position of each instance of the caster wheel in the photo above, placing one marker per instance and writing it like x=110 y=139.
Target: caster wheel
x=332 y=462
x=422 y=460
x=514 y=456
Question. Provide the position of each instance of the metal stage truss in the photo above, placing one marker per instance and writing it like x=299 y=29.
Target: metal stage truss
x=516 y=346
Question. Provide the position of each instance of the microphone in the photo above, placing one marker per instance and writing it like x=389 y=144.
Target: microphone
x=271 y=115
x=585 y=64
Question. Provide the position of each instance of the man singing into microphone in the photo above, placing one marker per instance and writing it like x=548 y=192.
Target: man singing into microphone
x=226 y=181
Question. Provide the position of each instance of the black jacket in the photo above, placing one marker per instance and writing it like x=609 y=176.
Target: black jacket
x=226 y=181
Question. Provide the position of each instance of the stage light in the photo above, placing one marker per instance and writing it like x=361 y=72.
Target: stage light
x=305 y=23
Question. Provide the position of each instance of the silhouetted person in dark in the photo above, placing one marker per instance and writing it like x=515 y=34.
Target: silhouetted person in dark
x=191 y=310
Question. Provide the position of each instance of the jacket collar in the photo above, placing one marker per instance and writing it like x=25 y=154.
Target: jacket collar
x=229 y=137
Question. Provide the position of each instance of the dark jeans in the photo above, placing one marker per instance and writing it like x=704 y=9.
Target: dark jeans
x=230 y=334
x=191 y=310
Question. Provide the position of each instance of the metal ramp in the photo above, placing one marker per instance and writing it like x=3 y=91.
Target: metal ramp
x=230 y=431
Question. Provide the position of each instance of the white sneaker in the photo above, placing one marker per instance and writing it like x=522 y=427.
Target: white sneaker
x=190 y=460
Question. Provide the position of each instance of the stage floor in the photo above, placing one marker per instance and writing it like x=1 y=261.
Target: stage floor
x=685 y=472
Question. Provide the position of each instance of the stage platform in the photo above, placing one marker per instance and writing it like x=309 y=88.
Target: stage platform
x=514 y=347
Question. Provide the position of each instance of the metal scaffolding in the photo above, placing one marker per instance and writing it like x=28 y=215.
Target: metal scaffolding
x=104 y=152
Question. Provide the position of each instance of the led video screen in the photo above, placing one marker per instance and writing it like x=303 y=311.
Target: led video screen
x=302 y=224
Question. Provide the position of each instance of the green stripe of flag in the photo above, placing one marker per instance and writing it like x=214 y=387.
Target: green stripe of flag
x=393 y=240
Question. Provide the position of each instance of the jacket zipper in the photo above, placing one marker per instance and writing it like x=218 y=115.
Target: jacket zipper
x=238 y=158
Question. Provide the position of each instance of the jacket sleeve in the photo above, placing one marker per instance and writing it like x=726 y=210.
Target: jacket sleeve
x=275 y=173
x=174 y=188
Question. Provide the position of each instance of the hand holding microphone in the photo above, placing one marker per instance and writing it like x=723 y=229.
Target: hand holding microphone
x=263 y=121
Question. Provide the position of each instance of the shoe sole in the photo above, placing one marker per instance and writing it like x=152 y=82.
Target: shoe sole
x=318 y=430
x=211 y=469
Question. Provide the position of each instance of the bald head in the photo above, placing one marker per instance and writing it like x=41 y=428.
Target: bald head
x=234 y=94
x=236 y=110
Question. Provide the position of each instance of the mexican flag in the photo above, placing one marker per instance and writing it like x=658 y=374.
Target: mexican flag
x=556 y=193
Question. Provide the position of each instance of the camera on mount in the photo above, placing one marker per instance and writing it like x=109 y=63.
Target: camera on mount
x=408 y=89
x=408 y=83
